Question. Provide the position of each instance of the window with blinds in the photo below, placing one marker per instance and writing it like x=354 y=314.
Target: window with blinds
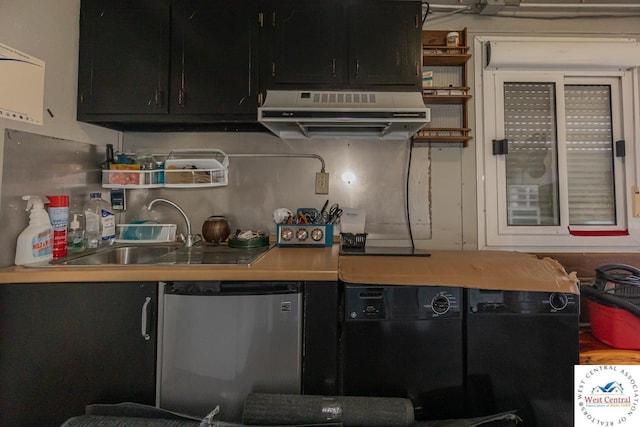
x=552 y=136
x=532 y=174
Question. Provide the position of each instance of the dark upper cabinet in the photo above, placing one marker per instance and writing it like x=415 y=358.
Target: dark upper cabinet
x=303 y=42
x=206 y=64
x=338 y=44
x=162 y=62
x=214 y=58
x=124 y=57
x=385 y=43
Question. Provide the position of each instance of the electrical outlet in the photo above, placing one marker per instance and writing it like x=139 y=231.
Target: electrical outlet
x=322 y=183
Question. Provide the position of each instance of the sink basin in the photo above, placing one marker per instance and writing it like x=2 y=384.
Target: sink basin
x=217 y=254
x=119 y=255
x=161 y=254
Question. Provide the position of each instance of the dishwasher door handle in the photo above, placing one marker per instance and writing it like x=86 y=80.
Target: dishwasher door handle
x=144 y=320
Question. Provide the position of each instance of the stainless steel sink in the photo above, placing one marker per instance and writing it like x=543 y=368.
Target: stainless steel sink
x=206 y=253
x=161 y=254
x=119 y=255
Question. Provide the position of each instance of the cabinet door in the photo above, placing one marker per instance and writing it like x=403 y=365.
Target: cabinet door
x=123 y=61
x=304 y=43
x=320 y=359
x=68 y=345
x=385 y=43
x=214 y=58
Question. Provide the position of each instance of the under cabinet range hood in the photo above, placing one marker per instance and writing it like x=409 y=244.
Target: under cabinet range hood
x=293 y=114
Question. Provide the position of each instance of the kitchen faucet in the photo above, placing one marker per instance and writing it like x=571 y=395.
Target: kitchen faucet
x=190 y=239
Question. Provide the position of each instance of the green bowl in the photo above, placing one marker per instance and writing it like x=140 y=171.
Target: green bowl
x=256 y=242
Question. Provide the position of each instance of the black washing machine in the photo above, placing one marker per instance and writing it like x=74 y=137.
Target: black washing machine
x=405 y=341
x=521 y=348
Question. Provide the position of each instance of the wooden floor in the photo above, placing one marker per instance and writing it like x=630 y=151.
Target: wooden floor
x=594 y=352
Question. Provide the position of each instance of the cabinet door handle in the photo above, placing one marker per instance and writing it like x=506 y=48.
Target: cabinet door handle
x=158 y=98
x=333 y=67
x=181 y=96
x=144 y=320
x=357 y=67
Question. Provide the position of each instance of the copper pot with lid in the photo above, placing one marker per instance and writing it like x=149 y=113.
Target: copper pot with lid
x=216 y=229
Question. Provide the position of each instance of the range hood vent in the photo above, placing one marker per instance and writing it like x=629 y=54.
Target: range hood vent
x=343 y=114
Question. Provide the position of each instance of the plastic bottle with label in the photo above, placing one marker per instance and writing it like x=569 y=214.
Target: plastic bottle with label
x=59 y=215
x=75 y=237
x=35 y=243
x=99 y=222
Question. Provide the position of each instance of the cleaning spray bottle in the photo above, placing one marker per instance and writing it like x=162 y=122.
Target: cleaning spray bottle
x=35 y=243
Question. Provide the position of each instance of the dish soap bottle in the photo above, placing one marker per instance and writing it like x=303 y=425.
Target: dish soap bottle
x=75 y=238
x=99 y=222
x=35 y=243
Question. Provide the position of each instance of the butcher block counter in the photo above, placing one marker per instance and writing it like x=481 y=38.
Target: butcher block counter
x=310 y=264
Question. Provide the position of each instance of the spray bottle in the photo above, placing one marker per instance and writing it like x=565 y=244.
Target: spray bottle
x=35 y=243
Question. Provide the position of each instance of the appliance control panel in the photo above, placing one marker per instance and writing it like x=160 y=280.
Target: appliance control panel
x=304 y=234
x=523 y=302
x=364 y=302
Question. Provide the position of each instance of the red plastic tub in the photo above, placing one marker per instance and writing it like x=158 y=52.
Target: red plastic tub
x=614 y=326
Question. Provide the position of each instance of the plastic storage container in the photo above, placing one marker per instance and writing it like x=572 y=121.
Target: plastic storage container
x=614 y=326
x=100 y=225
x=613 y=300
x=196 y=168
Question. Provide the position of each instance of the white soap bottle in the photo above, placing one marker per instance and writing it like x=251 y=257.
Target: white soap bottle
x=35 y=243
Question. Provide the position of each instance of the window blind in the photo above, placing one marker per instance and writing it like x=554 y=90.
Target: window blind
x=530 y=126
x=589 y=143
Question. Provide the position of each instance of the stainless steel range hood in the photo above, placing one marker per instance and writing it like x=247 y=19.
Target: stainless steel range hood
x=343 y=114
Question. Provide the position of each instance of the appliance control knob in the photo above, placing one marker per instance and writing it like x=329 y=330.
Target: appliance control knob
x=440 y=304
x=286 y=234
x=317 y=234
x=353 y=314
x=558 y=301
x=302 y=234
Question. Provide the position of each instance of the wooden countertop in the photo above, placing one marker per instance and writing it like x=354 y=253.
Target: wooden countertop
x=313 y=264
x=594 y=352
x=484 y=269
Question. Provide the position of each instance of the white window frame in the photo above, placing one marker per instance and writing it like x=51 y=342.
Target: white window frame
x=494 y=233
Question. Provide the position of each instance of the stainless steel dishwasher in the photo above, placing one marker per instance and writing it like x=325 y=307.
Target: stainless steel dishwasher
x=219 y=341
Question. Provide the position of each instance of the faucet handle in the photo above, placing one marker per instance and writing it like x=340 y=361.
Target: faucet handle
x=189 y=240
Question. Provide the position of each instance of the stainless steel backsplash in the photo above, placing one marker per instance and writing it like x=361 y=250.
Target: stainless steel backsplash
x=257 y=186
x=35 y=164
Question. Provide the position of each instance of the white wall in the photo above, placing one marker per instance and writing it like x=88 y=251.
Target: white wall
x=454 y=188
x=48 y=30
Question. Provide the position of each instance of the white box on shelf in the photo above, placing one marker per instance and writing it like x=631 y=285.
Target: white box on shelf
x=196 y=168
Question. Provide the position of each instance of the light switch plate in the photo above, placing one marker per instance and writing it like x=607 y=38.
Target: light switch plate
x=635 y=197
